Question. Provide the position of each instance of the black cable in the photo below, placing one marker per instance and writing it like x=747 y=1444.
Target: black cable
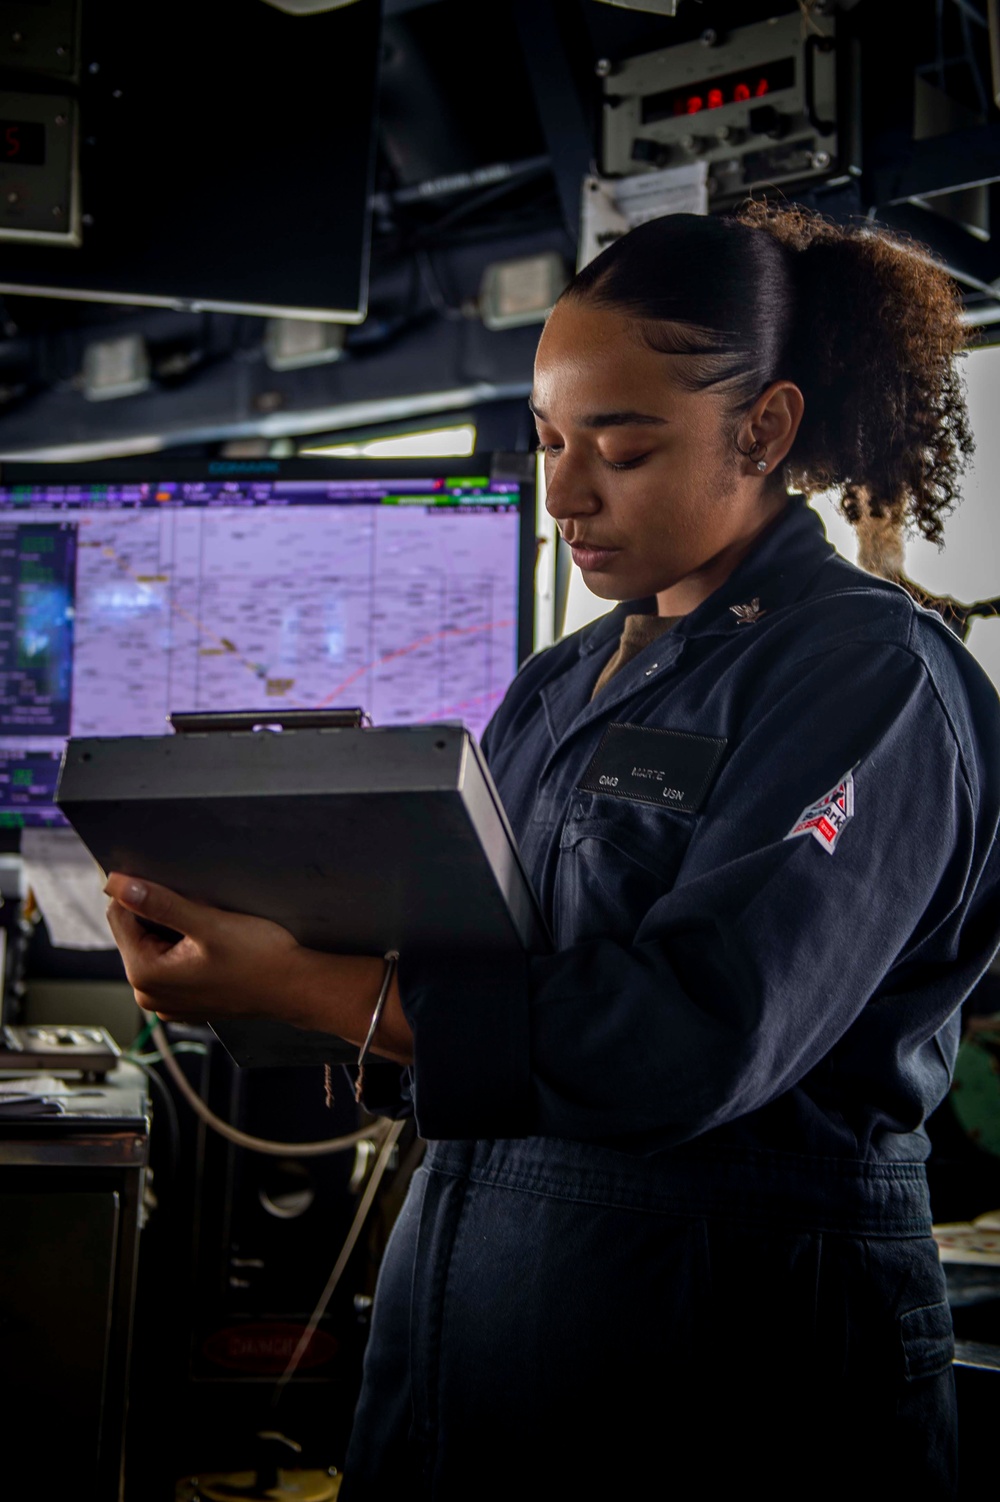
x=536 y=217
x=478 y=201
x=432 y=285
x=170 y=1114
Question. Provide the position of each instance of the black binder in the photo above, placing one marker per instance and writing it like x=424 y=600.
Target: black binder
x=356 y=840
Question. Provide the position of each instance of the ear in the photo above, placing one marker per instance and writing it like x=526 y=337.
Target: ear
x=774 y=420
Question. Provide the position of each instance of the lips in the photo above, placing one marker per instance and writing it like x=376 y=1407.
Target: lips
x=588 y=556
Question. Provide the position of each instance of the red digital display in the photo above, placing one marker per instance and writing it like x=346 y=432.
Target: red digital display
x=22 y=142
x=714 y=93
x=715 y=98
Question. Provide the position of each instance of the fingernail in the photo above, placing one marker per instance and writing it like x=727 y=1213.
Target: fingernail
x=136 y=892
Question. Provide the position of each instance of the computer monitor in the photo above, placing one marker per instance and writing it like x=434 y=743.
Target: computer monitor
x=132 y=591
x=190 y=155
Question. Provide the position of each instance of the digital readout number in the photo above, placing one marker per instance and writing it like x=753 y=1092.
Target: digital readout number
x=22 y=143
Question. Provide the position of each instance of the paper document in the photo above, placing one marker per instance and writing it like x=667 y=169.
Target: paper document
x=970 y=1241
x=611 y=206
x=68 y=887
x=36 y=1095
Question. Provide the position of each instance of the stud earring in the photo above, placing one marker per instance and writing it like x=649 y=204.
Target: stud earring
x=762 y=465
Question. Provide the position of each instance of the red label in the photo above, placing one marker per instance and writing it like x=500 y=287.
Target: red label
x=266 y=1348
x=826 y=829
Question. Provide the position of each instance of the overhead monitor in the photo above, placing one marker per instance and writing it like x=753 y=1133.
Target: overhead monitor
x=132 y=591
x=191 y=155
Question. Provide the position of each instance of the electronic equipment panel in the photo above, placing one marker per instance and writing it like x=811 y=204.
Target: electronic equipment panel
x=129 y=593
x=764 y=104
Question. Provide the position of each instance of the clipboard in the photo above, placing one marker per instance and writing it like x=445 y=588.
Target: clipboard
x=357 y=839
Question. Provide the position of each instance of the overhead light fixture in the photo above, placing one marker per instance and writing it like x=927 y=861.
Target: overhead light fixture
x=983 y=314
x=435 y=443
x=115 y=367
x=522 y=291
x=294 y=343
x=83 y=453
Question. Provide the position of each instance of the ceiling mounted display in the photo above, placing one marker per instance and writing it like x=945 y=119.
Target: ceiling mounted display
x=195 y=156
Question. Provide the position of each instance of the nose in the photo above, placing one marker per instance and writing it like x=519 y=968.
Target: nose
x=569 y=489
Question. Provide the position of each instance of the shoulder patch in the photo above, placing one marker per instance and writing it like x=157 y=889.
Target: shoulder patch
x=827 y=818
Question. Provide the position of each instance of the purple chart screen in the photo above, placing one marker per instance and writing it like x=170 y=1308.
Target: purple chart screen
x=121 y=604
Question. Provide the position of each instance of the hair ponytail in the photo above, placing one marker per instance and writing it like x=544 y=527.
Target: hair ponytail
x=873 y=345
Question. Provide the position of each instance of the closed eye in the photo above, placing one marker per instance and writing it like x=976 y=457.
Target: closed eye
x=627 y=463
x=553 y=450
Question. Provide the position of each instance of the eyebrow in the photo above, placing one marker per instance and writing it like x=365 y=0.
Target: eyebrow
x=611 y=419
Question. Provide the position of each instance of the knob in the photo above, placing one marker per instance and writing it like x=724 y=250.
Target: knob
x=765 y=120
x=653 y=153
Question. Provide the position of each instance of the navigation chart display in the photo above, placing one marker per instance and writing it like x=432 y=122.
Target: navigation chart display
x=122 y=603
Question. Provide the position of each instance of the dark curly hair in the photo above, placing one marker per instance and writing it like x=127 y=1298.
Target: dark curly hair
x=864 y=322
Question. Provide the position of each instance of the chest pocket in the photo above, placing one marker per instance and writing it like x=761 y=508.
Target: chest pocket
x=616 y=859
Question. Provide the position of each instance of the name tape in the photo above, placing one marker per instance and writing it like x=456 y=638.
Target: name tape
x=671 y=768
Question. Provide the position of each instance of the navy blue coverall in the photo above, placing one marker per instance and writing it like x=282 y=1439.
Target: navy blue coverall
x=673 y=1218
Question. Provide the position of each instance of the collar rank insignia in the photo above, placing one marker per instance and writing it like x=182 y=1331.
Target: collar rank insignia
x=748 y=615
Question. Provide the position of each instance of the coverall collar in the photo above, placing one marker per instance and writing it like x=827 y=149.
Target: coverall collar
x=775 y=572
x=778 y=570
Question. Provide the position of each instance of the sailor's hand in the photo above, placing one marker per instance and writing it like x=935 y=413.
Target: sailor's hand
x=234 y=965
x=224 y=964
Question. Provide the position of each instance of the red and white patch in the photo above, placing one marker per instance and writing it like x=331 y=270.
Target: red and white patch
x=827 y=818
